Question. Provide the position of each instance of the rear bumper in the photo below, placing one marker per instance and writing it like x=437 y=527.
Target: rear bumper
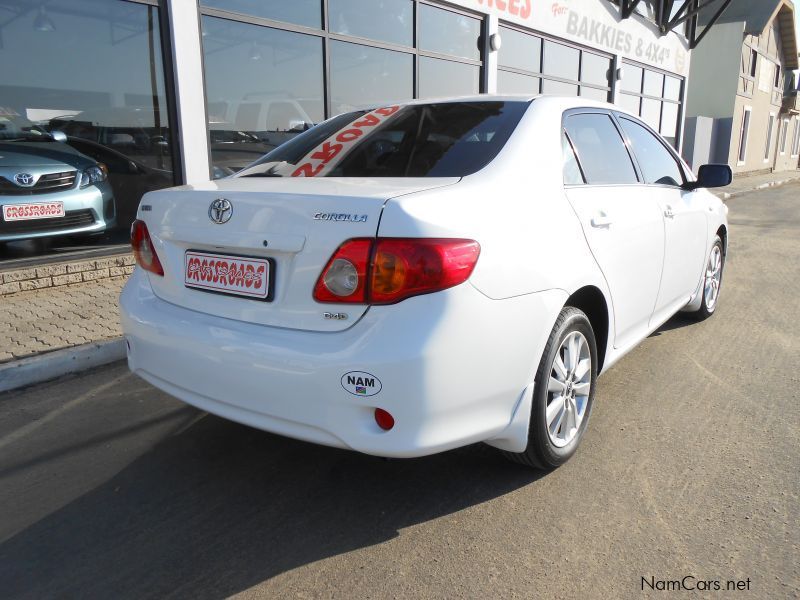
x=451 y=367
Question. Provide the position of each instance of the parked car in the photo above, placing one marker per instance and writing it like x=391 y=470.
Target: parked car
x=129 y=178
x=134 y=144
x=47 y=188
x=424 y=276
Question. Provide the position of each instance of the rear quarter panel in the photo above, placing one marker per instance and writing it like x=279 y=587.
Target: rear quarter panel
x=530 y=237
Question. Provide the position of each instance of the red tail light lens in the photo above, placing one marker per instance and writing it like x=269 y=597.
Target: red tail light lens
x=143 y=249
x=393 y=269
x=409 y=267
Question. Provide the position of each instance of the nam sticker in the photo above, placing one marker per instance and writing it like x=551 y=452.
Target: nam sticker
x=360 y=383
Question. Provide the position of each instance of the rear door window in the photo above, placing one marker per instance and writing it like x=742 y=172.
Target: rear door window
x=656 y=162
x=601 y=150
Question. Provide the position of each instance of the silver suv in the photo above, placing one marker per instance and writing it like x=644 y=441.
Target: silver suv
x=48 y=188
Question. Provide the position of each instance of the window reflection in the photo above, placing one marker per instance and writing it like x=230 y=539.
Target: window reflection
x=439 y=78
x=561 y=61
x=274 y=92
x=661 y=111
x=520 y=50
x=514 y=83
x=384 y=20
x=447 y=32
x=299 y=12
x=362 y=76
x=91 y=70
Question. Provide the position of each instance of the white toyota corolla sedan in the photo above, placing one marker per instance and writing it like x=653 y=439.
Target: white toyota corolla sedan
x=419 y=277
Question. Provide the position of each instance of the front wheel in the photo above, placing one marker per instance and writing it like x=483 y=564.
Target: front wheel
x=712 y=281
x=563 y=393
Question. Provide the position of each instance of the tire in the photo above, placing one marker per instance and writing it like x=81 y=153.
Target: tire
x=552 y=444
x=712 y=281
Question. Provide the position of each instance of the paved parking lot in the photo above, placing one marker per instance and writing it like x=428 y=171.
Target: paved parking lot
x=109 y=488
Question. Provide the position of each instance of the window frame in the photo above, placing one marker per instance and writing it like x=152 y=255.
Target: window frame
x=541 y=76
x=795 y=151
x=783 y=135
x=770 y=130
x=664 y=144
x=327 y=36
x=609 y=113
x=662 y=99
x=744 y=135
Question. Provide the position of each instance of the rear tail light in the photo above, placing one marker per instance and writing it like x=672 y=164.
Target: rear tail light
x=388 y=270
x=143 y=249
x=344 y=278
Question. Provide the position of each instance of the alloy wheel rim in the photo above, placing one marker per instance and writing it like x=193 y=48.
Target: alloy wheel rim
x=713 y=278
x=568 y=389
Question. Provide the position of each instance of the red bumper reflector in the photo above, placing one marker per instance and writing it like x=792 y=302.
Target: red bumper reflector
x=384 y=420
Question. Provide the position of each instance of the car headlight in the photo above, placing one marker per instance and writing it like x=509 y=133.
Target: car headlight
x=94 y=175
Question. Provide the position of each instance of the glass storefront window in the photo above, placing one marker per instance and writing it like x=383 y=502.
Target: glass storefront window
x=520 y=50
x=92 y=71
x=672 y=88
x=439 y=78
x=559 y=88
x=628 y=102
x=651 y=112
x=447 y=32
x=653 y=83
x=383 y=20
x=274 y=92
x=669 y=121
x=595 y=69
x=299 y=12
x=362 y=76
x=561 y=61
x=653 y=96
x=594 y=93
x=515 y=83
x=632 y=79
x=566 y=71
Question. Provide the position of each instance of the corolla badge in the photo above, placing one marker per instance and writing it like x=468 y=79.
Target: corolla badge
x=24 y=179
x=360 y=383
x=220 y=211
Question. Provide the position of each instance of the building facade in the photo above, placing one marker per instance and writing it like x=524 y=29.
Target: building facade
x=165 y=92
x=742 y=101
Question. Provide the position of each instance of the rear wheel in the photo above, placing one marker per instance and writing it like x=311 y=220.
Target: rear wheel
x=563 y=394
x=712 y=281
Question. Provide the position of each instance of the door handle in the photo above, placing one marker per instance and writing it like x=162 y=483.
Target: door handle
x=601 y=219
x=668 y=212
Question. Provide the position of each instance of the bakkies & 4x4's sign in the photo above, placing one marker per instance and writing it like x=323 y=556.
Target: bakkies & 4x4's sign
x=596 y=23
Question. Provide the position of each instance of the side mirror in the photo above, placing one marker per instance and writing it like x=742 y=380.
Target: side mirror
x=711 y=176
x=59 y=136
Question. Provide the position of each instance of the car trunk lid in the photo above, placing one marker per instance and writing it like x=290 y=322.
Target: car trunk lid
x=295 y=223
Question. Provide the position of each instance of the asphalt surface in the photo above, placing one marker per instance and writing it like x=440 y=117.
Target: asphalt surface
x=690 y=467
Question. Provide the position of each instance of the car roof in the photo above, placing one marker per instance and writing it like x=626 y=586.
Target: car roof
x=552 y=102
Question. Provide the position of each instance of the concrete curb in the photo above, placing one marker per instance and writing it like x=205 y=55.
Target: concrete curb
x=762 y=186
x=47 y=366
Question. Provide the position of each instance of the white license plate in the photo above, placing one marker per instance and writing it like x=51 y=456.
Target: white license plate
x=32 y=210
x=227 y=274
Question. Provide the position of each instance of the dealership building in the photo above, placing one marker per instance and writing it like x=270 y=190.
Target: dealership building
x=180 y=91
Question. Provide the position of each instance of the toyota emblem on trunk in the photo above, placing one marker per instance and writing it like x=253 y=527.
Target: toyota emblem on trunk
x=220 y=211
x=24 y=179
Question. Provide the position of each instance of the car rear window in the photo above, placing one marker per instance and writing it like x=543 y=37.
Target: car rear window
x=449 y=139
